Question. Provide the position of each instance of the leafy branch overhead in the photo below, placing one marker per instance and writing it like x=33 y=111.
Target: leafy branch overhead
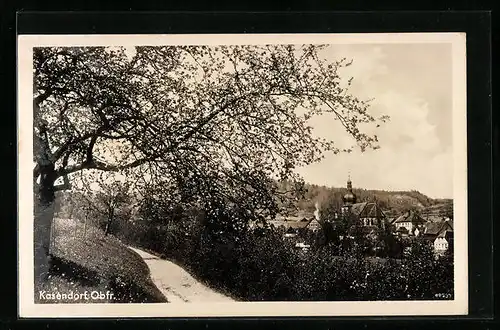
x=213 y=118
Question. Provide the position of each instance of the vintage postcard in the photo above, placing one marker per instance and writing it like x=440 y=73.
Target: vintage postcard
x=242 y=175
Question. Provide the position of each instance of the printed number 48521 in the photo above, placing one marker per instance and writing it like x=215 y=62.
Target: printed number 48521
x=443 y=295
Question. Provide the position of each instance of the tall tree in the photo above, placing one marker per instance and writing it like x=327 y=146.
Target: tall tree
x=206 y=119
x=110 y=202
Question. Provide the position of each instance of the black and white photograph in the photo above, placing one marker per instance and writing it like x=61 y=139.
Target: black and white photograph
x=237 y=175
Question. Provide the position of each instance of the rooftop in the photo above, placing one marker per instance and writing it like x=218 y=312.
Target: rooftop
x=367 y=210
x=436 y=228
x=409 y=216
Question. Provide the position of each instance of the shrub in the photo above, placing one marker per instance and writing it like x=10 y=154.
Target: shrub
x=259 y=265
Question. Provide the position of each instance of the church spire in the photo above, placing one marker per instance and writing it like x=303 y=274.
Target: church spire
x=350 y=197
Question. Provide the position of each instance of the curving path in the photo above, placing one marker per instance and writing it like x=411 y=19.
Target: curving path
x=177 y=284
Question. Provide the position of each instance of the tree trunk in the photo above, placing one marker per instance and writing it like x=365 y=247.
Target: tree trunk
x=85 y=224
x=43 y=217
x=108 y=224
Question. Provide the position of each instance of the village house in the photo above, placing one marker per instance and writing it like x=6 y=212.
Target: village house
x=440 y=234
x=295 y=227
x=295 y=223
x=295 y=233
x=409 y=224
x=314 y=225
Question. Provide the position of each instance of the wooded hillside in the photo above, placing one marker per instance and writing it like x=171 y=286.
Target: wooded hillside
x=390 y=201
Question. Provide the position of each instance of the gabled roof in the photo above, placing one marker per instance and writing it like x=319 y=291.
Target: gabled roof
x=297 y=224
x=448 y=225
x=446 y=234
x=313 y=221
x=432 y=228
x=357 y=208
x=436 y=228
x=292 y=218
x=372 y=210
x=412 y=217
x=367 y=210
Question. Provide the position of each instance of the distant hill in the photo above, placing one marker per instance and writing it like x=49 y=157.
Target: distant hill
x=441 y=207
x=392 y=202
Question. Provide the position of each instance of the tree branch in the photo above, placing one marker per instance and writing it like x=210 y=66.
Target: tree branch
x=42 y=97
x=99 y=165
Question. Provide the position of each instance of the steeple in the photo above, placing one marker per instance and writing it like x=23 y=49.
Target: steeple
x=349 y=197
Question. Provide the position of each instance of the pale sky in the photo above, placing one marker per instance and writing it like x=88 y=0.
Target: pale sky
x=411 y=83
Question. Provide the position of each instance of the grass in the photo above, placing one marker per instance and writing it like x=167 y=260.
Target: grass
x=86 y=260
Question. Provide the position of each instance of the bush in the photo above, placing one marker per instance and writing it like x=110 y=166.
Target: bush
x=257 y=265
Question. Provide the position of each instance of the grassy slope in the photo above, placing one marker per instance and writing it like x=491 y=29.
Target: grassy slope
x=90 y=261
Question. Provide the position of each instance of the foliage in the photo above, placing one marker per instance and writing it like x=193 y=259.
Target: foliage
x=260 y=265
x=427 y=274
x=196 y=118
x=215 y=128
x=112 y=201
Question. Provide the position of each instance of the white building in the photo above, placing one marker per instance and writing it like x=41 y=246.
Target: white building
x=440 y=234
x=411 y=221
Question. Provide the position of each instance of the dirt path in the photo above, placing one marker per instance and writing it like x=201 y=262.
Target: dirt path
x=177 y=284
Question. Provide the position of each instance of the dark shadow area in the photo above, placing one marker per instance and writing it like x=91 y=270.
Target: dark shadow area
x=73 y=272
x=66 y=276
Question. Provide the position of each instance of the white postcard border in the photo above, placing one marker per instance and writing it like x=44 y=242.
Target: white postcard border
x=27 y=307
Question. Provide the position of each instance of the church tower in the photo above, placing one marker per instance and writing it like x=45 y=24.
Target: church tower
x=349 y=198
